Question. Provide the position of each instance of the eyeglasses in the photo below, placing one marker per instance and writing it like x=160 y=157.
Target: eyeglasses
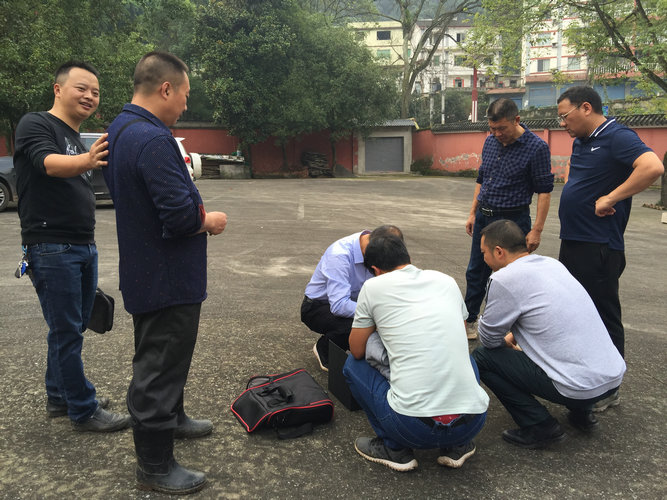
x=561 y=118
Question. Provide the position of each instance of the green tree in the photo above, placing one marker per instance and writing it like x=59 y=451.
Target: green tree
x=273 y=69
x=38 y=36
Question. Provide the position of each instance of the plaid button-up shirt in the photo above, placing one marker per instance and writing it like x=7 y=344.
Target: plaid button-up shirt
x=509 y=175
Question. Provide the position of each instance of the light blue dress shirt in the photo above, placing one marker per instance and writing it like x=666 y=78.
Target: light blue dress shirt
x=339 y=276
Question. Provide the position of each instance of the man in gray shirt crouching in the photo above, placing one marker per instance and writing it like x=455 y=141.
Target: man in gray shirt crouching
x=557 y=347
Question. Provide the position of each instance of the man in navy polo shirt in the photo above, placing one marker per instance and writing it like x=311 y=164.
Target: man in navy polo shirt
x=515 y=164
x=609 y=164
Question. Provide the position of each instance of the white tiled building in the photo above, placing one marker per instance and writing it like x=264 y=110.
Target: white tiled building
x=448 y=66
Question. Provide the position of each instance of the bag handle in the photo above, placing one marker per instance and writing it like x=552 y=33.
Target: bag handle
x=286 y=395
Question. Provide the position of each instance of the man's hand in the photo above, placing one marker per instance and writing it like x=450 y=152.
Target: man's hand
x=215 y=222
x=533 y=239
x=510 y=341
x=98 y=151
x=604 y=206
x=470 y=223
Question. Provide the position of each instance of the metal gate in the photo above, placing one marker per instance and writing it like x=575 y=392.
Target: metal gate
x=384 y=154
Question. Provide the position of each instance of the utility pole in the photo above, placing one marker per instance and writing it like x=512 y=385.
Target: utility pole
x=473 y=112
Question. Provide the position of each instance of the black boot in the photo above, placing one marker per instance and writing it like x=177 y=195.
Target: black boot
x=158 y=470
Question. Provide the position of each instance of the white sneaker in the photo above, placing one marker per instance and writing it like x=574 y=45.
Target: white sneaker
x=608 y=402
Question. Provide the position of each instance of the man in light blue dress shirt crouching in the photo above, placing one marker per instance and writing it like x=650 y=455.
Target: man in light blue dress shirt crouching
x=331 y=295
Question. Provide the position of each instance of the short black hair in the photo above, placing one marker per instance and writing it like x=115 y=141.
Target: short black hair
x=386 y=230
x=580 y=94
x=505 y=234
x=158 y=67
x=386 y=253
x=63 y=70
x=502 y=108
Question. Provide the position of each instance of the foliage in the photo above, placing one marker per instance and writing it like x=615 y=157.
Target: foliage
x=618 y=36
x=422 y=165
x=273 y=69
x=337 y=12
x=39 y=36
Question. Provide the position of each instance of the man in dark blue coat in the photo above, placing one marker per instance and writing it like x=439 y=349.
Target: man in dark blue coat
x=162 y=226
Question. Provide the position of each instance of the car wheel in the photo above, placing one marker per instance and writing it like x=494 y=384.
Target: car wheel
x=4 y=196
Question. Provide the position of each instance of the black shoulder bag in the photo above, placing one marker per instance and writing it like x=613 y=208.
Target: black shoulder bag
x=289 y=402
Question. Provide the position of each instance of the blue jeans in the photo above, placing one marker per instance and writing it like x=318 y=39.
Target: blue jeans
x=477 y=274
x=397 y=431
x=65 y=278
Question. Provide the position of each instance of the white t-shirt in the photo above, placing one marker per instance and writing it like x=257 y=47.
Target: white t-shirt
x=419 y=316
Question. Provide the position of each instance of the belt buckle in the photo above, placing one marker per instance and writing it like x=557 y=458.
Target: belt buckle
x=486 y=211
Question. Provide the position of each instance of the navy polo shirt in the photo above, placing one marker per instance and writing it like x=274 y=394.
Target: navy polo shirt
x=598 y=165
x=509 y=175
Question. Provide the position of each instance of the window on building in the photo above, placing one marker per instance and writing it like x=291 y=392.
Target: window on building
x=500 y=85
x=543 y=39
x=458 y=82
x=543 y=65
x=460 y=37
x=384 y=35
x=573 y=63
x=384 y=54
x=436 y=60
x=513 y=83
x=459 y=61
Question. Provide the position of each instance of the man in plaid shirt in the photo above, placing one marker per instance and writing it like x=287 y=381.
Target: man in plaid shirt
x=515 y=164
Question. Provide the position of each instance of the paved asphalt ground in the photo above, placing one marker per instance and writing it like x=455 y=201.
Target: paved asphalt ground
x=258 y=269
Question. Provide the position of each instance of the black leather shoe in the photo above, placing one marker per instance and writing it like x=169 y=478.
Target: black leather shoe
x=535 y=436
x=103 y=421
x=60 y=409
x=193 y=428
x=169 y=477
x=583 y=420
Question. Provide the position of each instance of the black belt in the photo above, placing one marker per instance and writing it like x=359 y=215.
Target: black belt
x=463 y=419
x=493 y=212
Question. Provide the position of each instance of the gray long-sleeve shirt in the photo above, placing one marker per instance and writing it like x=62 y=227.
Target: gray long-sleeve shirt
x=556 y=324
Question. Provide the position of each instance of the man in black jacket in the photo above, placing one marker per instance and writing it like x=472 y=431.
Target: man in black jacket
x=57 y=211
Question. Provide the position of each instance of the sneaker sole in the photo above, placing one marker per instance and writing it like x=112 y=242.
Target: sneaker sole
x=611 y=404
x=412 y=464
x=319 y=361
x=539 y=444
x=455 y=464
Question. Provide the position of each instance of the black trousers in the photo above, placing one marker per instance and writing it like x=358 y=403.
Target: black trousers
x=515 y=380
x=164 y=341
x=317 y=315
x=598 y=269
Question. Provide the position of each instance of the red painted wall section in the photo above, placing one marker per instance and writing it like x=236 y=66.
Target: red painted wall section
x=267 y=157
x=451 y=152
x=4 y=151
x=207 y=141
x=456 y=151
